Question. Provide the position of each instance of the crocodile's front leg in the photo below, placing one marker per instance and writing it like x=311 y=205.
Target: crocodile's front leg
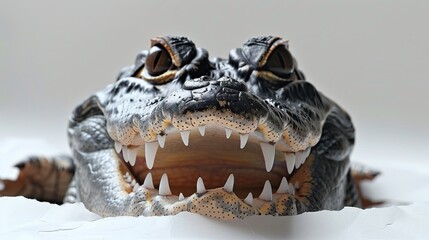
x=98 y=179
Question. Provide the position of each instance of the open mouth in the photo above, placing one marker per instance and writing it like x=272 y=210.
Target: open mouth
x=212 y=143
x=182 y=163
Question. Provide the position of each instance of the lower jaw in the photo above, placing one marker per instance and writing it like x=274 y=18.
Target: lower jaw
x=218 y=203
x=184 y=180
x=222 y=204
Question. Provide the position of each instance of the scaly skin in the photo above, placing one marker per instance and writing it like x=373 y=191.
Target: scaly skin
x=174 y=90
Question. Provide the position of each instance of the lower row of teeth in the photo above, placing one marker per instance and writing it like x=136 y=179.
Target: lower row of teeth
x=164 y=187
x=293 y=159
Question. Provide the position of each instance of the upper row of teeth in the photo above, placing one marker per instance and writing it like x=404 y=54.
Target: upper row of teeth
x=293 y=159
x=266 y=194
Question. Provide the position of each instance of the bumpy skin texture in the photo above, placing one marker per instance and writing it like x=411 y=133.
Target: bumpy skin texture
x=257 y=90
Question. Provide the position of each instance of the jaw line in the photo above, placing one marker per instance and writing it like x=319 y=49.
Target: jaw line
x=216 y=203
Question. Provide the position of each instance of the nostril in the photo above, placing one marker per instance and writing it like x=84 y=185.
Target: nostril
x=228 y=82
x=196 y=83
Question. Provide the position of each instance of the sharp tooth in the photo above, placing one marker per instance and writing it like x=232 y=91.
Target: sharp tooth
x=181 y=197
x=299 y=159
x=161 y=140
x=202 y=130
x=290 y=161
x=164 y=187
x=118 y=147
x=228 y=132
x=249 y=199
x=291 y=189
x=136 y=187
x=148 y=182
x=229 y=185
x=125 y=153
x=200 y=186
x=268 y=150
x=130 y=155
x=243 y=140
x=185 y=137
x=267 y=193
x=126 y=176
x=150 y=149
x=284 y=187
x=306 y=154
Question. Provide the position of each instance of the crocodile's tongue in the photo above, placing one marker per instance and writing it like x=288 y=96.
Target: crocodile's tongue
x=213 y=157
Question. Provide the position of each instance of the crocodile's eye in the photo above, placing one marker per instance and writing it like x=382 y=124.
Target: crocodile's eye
x=158 y=61
x=280 y=62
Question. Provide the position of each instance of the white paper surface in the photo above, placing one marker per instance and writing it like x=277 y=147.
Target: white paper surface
x=399 y=183
x=28 y=219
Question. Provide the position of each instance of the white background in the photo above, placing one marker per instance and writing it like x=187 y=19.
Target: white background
x=372 y=57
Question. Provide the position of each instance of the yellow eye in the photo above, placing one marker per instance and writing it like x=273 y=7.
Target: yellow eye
x=158 y=61
x=280 y=62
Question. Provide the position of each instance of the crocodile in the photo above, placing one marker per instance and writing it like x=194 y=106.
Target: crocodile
x=225 y=138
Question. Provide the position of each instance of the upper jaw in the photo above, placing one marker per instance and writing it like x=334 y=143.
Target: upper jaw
x=134 y=118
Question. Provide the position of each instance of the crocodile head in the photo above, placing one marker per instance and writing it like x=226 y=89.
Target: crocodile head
x=226 y=138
